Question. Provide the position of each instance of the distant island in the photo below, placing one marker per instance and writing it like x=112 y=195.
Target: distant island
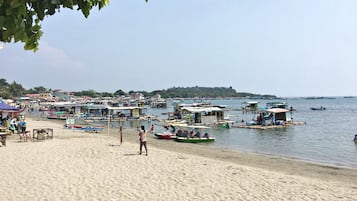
x=14 y=89
x=207 y=92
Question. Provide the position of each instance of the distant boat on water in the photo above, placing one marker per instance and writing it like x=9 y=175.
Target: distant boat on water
x=318 y=108
x=319 y=97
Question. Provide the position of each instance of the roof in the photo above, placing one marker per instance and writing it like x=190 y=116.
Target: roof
x=123 y=108
x=277 y=110
x=250 y=102
x=5 y=107
x=201 y=109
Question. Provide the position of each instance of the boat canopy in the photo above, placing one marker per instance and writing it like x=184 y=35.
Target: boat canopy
x=276 y=105
x=7 y=108
x=202 y=109
x=251 y=102
x=277 y=110
x=123 y=108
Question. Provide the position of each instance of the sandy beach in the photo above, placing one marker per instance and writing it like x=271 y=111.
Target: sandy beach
x=76 y=165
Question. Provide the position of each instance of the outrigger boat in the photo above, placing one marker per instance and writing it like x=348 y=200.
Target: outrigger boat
x=193 y=137
x=167 y=136
x=86 y=128
x=93 y=129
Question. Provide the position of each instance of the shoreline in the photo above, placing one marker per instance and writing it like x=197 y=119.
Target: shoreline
x=77 y=165
x=288 y=165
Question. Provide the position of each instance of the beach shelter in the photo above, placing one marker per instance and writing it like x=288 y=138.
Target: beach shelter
x=7 y=108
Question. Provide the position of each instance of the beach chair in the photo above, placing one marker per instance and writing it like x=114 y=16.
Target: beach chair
x=25 y=136
x=3 y=136
x=42 y=133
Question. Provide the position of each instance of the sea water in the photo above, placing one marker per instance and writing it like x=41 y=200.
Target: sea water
x=325 y=137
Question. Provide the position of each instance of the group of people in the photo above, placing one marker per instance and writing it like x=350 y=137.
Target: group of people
x=15 y=125
x=170 y=129
x=191 y=134
x=20 y=126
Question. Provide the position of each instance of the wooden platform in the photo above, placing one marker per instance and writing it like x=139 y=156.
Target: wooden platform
x=261 y=127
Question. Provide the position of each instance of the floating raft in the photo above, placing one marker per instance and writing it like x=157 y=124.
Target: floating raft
x=261 y=127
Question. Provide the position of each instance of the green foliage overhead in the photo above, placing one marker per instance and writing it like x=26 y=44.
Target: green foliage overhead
x=20 y=19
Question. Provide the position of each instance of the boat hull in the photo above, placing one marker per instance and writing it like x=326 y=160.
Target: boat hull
x=195 y=140
x=318 y=108
x=93 y=129
x=165 y=136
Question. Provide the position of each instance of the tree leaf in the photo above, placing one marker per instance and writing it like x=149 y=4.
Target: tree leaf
x=36 y=28
x=15 y=3
x=68 y=4
x=2 y=21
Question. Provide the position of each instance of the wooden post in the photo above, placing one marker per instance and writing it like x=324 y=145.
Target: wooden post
x=121 y=134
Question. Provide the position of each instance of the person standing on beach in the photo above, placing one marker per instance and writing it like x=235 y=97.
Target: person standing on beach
x=152 y=128
x=143 y=139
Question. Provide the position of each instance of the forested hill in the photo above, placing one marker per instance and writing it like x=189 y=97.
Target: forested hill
x=205 y=92
x=14 y=89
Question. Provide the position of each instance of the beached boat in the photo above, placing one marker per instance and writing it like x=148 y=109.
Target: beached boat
x=93 y=129
x=194 y=136
x=195 y=139
x=71 y=126
x=86 y=128
x=166 y=136
x=57 y=117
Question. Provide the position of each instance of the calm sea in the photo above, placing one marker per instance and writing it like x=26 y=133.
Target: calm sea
x=325 y=138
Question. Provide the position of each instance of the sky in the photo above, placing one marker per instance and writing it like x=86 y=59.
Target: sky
x=286 y=48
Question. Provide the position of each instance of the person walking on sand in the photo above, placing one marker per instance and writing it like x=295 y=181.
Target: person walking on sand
x=152 y=128
x=143 y=139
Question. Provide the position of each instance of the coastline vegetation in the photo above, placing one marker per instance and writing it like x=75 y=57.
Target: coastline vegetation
x=14 y=89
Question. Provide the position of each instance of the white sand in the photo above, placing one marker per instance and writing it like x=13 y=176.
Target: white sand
x=84 y=166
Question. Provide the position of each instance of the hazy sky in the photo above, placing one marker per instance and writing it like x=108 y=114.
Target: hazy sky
x=279 y=47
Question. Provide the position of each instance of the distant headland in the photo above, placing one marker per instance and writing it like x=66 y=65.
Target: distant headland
x=14 y=89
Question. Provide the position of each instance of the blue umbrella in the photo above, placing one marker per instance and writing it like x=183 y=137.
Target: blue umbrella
x=6 y=107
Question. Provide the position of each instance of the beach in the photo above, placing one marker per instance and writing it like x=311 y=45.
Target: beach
x=77 y=165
